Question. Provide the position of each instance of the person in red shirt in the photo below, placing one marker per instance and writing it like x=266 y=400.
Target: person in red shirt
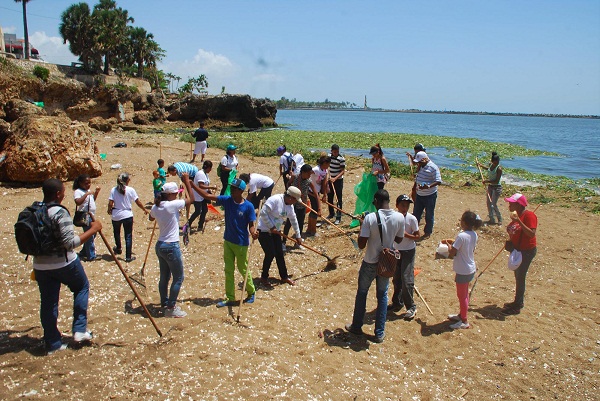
x=521 y=232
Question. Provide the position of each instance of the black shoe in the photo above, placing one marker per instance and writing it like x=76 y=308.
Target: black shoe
x=510 y=311
x=379 y=339
x=331 y=216
x=131 y=259
x=353 y=330
x=117 y=251
x=394 y=308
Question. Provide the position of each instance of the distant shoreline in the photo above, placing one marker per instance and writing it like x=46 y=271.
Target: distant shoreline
x=415 y=111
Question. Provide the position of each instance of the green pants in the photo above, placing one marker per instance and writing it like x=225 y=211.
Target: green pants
x=231 y=252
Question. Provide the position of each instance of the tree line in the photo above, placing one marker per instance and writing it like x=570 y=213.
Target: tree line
x=284 y=103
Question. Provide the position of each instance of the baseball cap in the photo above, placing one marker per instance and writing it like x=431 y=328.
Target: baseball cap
x=517 y=198
x=403 y=198
x=231 y=147
x=171 y=188
x=239 y=184
x=420 y=156
x=280 y=149
x=294 y=192
x=419 y=147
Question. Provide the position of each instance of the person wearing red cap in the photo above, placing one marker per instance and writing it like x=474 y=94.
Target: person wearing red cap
x=522 y=234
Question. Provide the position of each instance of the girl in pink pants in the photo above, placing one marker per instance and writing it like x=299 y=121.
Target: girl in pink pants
x=462 y=249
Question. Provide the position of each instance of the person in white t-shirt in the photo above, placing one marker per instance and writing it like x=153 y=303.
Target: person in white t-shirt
x=229 y=162
x=170 y=261
x=462 y=249
x=392 y=230
x=120 y=200
x=85 y=200
x=201 y=181
x=320 y=180
x=257 y=182
x=273 y=214
x=404 y=276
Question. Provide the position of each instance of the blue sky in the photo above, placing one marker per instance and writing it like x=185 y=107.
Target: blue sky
x=499 y=56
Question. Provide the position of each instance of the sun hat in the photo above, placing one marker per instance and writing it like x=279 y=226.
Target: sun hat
x=239 y=184
x=419 y=147
x=281 y=150
x=420 y=156
x=517 y=198
x=231 y=147
x=171 y=188
x=404 y=198
x=293 y=192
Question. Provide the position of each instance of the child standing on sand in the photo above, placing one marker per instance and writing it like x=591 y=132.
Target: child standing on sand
x=162 y=173
x=462 y=249
x=157 y=183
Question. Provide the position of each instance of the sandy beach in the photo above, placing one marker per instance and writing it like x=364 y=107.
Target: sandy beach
x=290 y=344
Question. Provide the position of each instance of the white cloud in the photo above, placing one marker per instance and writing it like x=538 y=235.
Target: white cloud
x=51 y=48
x=9 y=29
x=214 y=66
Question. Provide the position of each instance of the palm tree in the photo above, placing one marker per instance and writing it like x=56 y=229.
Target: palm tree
x=111 y=23
x=77 y=28
x=25 y=31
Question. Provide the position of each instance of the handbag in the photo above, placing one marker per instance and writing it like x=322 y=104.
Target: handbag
x=516 y=257
x=82 y=218
x=388 y=258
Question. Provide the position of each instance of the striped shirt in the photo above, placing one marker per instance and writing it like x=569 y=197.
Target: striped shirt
x=338 y=164
x=186 y=168
x=426 y=176
x=62 y=227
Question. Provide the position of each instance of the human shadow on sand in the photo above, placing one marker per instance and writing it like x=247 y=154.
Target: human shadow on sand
x=14 y=341
x=343 y=339
x=489 y=312
x=154 y=309
x=434 y=329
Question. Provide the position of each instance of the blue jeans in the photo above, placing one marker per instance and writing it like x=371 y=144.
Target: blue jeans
x=521 y=275
x=89 y=248
x=426 y=203
x=366 y=275
x=49 y=282
x=170 y=263
x=128 y=228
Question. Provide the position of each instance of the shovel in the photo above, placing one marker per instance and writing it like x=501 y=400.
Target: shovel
x=349 y=235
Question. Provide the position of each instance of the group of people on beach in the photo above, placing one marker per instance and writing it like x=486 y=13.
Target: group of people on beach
x=307 y=189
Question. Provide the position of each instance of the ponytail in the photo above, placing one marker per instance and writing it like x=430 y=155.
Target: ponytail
x=122 y=181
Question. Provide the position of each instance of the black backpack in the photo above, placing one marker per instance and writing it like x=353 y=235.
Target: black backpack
x=33 y=230
x=291 y=163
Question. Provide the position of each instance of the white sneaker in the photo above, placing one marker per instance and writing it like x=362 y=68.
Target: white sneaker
x=283 y=247
x=454 y=318
x=460 y=325
x=79 y=337
x=175 y=312
x=54 y=351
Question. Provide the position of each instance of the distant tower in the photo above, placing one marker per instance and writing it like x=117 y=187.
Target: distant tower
x=366 y=102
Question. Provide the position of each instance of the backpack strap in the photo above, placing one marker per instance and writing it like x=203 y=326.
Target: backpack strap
x=379 y=226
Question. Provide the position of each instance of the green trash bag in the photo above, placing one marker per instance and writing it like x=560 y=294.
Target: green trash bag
x=364 y=190
x=232 y=175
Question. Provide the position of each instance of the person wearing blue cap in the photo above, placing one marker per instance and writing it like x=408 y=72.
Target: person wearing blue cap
x=228 y=162
x=287 y=164
x=239 y=225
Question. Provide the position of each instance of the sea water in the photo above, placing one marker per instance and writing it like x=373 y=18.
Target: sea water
x=576 y=140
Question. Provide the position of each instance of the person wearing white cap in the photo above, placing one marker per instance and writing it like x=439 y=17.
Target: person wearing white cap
x=273 y=214
x=522 y=231
x=170 y=261
x=426 y=182
x=239 y=220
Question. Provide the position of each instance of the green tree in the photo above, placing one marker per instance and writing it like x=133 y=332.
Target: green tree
x=25 y=30
x=198 y=84
x=143 y=49
x=111 y=27
x=78 y=29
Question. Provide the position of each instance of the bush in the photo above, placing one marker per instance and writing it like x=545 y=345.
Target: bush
x=41 y=72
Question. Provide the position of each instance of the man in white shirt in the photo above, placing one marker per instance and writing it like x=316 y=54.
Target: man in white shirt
x=404 y=276
x=255 y=182
x=276 y=210
x=426 y=184
x=392 y=229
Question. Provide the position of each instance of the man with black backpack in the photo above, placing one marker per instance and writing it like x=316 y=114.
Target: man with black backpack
x=52 y=242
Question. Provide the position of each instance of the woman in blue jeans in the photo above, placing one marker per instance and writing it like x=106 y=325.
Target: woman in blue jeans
x=120 y=200
x=166 y=212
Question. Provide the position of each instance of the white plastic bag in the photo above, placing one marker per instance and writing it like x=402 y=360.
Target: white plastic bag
x=443 y=250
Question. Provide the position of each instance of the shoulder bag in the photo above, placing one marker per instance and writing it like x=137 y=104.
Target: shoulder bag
x=388 y=258
x=82 y=218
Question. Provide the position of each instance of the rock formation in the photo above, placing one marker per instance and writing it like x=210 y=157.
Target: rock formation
x=40 y=147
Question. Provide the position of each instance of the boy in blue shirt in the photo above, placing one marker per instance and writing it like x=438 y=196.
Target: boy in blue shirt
x=239 y=220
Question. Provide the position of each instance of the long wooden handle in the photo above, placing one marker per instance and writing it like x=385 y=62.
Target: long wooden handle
x=148 y=249
x=307 y=247
x=342 y=211
x=482 y=179
x=137 y=295
x=324 y=218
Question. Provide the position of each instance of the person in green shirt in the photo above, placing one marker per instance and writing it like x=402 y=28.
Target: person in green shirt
x=157 y=183
x=162 y=174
